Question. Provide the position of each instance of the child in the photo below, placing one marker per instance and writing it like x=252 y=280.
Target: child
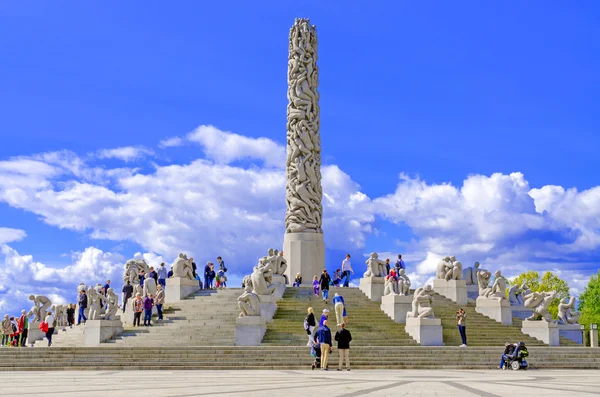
x=316 y=285
x=218 y=280
x=297 y=281
x=337 y=278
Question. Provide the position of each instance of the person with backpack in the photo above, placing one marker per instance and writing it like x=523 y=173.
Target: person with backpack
x=50 y=323
x=399 y=264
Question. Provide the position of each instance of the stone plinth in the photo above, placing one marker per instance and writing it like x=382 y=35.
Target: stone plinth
x=521 y=312
x=373 y=287
x=472 y=292
x=542 y=330
x=249 y=330
x=305 y=254
x=279 y=281
x=498 y=310
x=34 y=333
x=426 y=331
x=455 y=290
x=571 y=331
x=593 y=335
x=396 y=306
x=99 y=331
x=268 y=306
x=178 y=288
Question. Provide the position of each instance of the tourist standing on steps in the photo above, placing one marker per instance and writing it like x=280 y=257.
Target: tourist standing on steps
x=194 y=267
x=23 y=328
x=324 y=282
x=148 y=305
x=71 y=315
x=309 y=325
x=154 y=275
x=324 y=335
x=346 y=270
x=223 y=269
x=461 y=318
x=138 y=308
x=399 y=264
x=142 y=277
x=339 y=306
x=343 y=338
x=387 y=266
x=127 y=293
x=160 y=301
x=83 y=303
x=162 y=275
x=6 y=330
x=50 y=321
x=170 y=273
x=106 y=287
x=207 y=276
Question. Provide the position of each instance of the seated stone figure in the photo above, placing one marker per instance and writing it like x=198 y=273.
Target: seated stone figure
x=516 y=294
x=483 y=281
x=93 y=304
x=133 y=268
x=280 y=263
x=41 y=304
x=498 y=290
x=248 y=302
x=421 y=304
x=375 y=267
x=112 y=301
x=391 y=286
x=442 y=268
x=454 y=273
x=566 y=315
x=260 y=285
x=403 y=283
x=182 y=267
x=470 y=274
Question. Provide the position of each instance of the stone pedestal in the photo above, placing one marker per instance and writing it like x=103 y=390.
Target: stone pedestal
x=396 y=306
x=372 y=287
x=426 y=331
x=279 y=281
x=542 y=330
x=34 y=333
x=178 y=288
x=249 y=330
x=472 y=292
x=305 y=254
x=593 y=335
x=455 y=290
x=268 y=306
x=99 y=331
x=572 y=331
x=498 y=310
x=521 y=312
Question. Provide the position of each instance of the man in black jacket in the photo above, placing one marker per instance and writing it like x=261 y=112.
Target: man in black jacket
x=343 y=338
x=127 y=293
x=324 y=281
x=83 y=302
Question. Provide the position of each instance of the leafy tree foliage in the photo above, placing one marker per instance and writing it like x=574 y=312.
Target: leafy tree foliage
x=589 y=302
x=548 y=282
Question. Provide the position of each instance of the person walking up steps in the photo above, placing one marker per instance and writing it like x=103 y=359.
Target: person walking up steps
x=346 y=270
x=338 y=305
x=343 y=338
x=325 y=281
x=50 y=322
x=316 y=285
x=309 y=326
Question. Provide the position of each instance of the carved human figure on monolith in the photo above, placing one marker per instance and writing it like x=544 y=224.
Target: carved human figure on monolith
x=248 y=302
x=566 y=313
x=515 y=295
x=403 y=283
x=41 y=304
x=112 y=301
x=421 y=304
x=443 y=267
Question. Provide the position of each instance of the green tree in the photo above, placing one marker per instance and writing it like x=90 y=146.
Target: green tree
x=548 y=282
x=589 y=302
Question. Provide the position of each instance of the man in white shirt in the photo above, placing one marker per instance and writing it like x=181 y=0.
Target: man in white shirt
x=346 y=270
x=50 y=321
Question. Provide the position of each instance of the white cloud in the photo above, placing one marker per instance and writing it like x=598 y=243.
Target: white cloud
x=8 y=235
x=171 y=142
x=226 y=147
x=125 y=153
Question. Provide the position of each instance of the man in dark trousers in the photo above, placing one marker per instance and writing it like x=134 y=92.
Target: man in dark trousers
x=83 y=302
x=324 y=281
x=323 y=336
x=343 y=338
x=127 y=293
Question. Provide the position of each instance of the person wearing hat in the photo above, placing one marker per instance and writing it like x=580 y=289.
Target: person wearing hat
x=324 y=317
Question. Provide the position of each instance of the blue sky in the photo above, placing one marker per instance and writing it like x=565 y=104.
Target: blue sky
x=489 y=111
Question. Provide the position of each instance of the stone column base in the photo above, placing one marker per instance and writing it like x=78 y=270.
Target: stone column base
x=279 y=282
x=179 y=288
x=426 y=331
x=594 y=336
x=373 y=287
x=304 y=254
x=249 y=330
x=455 y=290
x=498 y=310
x=396 y=306
x=34 y=333
x=571 y=331
x=542 y=330
x=268 y=307
x=99 y=331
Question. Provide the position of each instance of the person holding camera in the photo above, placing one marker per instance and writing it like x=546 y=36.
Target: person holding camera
x=461 y=317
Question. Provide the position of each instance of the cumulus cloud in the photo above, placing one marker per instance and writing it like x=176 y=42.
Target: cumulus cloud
x=171 y=142
x=226 y=147
x=125 y=153
x=8 y=235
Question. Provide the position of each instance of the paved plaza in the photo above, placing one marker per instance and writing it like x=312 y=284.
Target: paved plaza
x=300 y=383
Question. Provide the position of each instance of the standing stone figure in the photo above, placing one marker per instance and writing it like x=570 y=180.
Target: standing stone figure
x=449 y=269
x=566 y=315
x=94 y=303
x=303 y=187
x=112 y=301
x=248 y=302
x=41 y=304
x=421 y=304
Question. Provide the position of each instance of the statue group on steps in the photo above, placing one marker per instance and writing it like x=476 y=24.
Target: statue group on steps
x=397 y=284
x=449 y=269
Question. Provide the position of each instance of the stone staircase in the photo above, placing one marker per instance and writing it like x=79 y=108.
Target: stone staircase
x=65 y=336
x=367 y=323
x=206 y=318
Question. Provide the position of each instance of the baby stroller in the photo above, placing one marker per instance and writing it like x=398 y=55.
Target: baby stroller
x=517 y=360
x=317 y=363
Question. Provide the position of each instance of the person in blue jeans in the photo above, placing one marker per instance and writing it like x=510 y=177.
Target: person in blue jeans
x=346 y=270
x=162 y=275
x=461 y=318
x=207 y=276
x=83 y=302
x=325 y=281
x=148 y=305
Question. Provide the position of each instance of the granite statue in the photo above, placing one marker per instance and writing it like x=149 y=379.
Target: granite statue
x=260 y=284
x=390 y=286
x=248 y=302
x=470 y=274
x=182 y=267
x=112 y=301
x=133 y=269
x=566 y=313
x=375 y=267
x=498 y=289
x=421 y=304
x=516 y=294
x=483 y=282
x=403 y=283
x=94 y=304
x=41 y=304
x=540 y=302
x=449 y=269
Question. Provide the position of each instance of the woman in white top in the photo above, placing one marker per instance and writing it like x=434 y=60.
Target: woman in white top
x=50 y=321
